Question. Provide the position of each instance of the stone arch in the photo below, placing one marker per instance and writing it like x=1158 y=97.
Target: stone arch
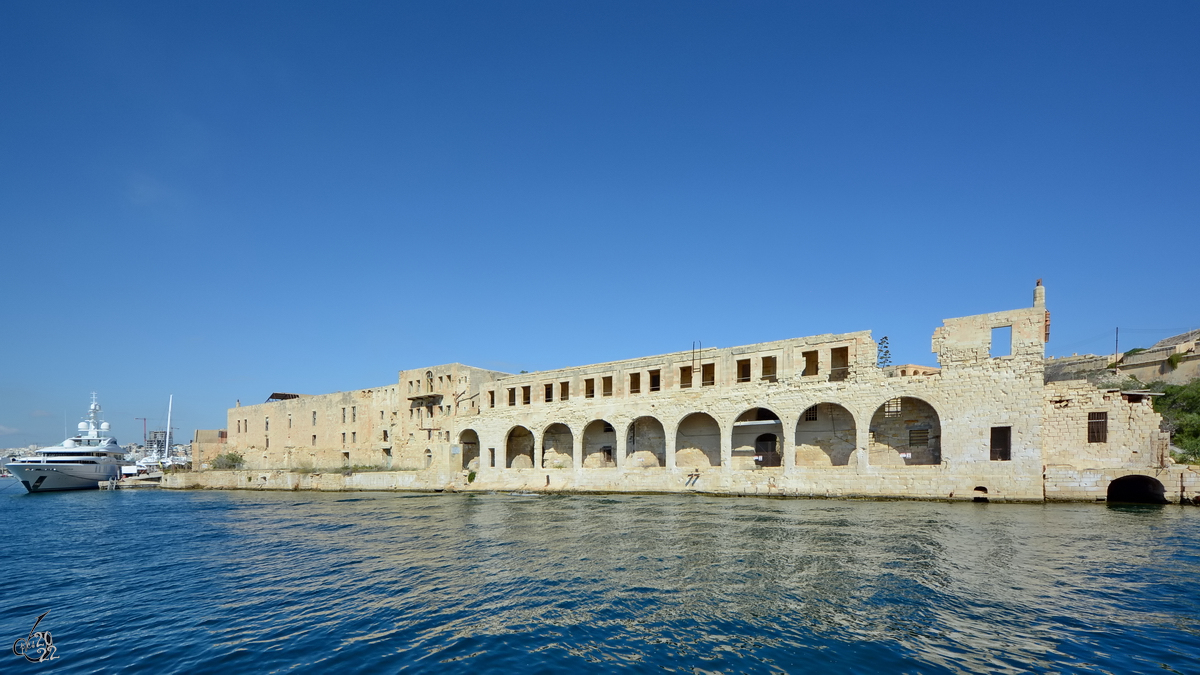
x=599 y=445
x=646 y=443
x=1137 y=489
x=468 y=440
x=826 y=435
x=518 y=448
x=698 y=442
x=557 y=441
x=748 y=428
x=905 y=431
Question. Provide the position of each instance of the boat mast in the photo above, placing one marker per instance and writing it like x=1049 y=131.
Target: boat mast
x=167 y=438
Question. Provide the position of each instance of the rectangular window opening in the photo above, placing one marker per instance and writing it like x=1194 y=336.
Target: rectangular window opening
x=606 y=383
x=839 y=364
x=549 y=393
x=635 y=383
x=708 y=374
x=655 y=380
x=491 y=399
x=589 y=388
x=512 y=396
x=564 y=391
x=1001 y=342
x=810 y=363
x=526 y=395
x=1001 y=444
x=743 y=370
x=768 y=368
x=1098 y=427
x=314 y=418
x=685 y=377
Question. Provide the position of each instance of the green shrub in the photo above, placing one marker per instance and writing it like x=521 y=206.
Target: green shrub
x=229 y=460
x=1180 y=407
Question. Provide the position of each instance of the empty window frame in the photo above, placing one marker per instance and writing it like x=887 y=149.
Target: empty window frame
x=353 y=436
x=526 y=395
x=549 y=393
x=606 y=385
x=266 y=424
x=1001 y=444
x=811 y=366
x=685 y=377
x=564 y=391
x=655 y=380
x=839 y=363
x=810 y=415
x=343 y=415
x=491 y=399
x=385 y=437
x=768 y=368
x=708 y=374
x=512 y=396
x=343 y=438
x=635 y=383
x=892 y=408
x=1098 y=427
x=354 y=413
x=918 y=438
x=1001 y=342
x=314 y=418
x=589 y=388
x=743 y=370
x=314 y=440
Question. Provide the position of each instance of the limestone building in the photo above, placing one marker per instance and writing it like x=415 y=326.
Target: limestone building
x=810 y=416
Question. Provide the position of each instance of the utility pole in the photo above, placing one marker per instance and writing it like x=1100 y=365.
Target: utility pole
x=1117 y=346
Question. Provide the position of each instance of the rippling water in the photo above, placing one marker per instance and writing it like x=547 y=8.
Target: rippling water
x=231 y=582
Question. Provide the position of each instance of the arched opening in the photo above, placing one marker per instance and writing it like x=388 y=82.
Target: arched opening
x=469 y=441
x=519 y=448
x=825 y=436
x=698 y=442
x=1137 y=490
x=905 y=431
x=599 y=445
x=646 y=443
x=749 y=428
x=556 y=447
x=428 y=457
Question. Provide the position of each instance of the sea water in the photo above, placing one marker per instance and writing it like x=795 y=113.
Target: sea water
x=157 y=581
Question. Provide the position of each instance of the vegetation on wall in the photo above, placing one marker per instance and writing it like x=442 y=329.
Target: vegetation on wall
x=1180 y=407
x=229 y=460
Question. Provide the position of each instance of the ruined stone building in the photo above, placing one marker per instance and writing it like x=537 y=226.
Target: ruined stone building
x=810 y=416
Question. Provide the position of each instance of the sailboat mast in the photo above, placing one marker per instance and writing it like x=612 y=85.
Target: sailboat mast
x=167 y=439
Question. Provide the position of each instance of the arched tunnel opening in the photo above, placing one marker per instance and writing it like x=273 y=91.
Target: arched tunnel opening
x=1137 y=490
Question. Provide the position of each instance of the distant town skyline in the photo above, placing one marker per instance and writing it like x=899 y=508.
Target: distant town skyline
x=223 y=200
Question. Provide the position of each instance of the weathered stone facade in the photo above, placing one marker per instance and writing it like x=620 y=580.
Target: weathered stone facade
x=810 y=416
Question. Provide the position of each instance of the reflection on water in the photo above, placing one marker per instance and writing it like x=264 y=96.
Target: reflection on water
x=262 y=582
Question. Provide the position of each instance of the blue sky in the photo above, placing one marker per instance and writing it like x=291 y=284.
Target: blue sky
x=219 y=200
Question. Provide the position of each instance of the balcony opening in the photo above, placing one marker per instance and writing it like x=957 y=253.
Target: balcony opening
x=635 y=383
x=708 y=374
x=655 y=380
x=589 y=388
x=607 y=382
x=564 y=391
x=839 y=364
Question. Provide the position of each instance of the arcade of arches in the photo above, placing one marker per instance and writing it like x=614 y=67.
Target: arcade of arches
x=903 y=431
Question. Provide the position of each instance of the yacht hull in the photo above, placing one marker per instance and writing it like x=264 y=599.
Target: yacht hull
x=51 y=478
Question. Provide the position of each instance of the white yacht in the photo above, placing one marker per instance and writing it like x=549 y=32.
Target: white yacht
x=81 y=462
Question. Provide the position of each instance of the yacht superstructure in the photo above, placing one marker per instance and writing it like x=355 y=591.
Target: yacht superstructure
x=81 y=462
